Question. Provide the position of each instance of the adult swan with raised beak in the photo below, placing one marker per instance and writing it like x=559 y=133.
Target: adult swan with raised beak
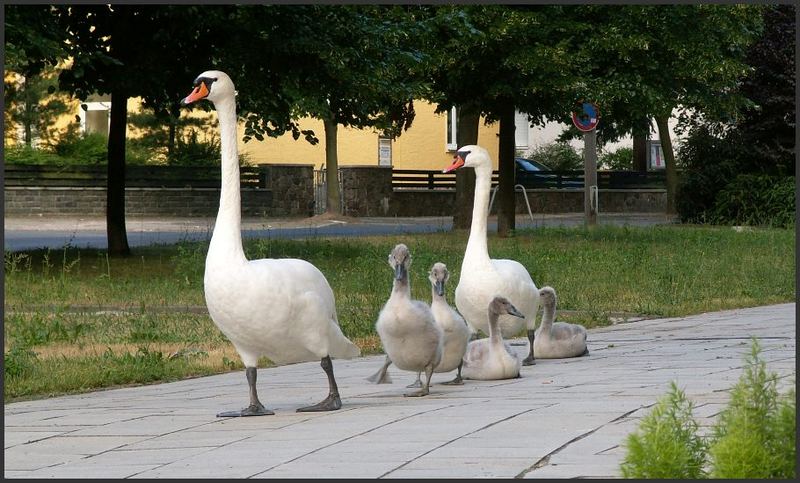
x=283 y=309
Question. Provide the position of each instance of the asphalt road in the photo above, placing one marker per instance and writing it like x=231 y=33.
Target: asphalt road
x=32 y=232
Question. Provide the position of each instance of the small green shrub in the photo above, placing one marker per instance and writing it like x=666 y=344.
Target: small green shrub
x=667 y=444
x=18 y=361
x=754 y=436
x=756 y=200
x=88 y=148
x=559 y=156
x=620 y=160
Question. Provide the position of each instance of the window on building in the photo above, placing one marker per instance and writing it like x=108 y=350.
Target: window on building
x=521 y=131
x=94 y=116
x=450 y=143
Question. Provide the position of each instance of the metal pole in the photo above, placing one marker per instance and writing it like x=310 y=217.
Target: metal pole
x=590 y=193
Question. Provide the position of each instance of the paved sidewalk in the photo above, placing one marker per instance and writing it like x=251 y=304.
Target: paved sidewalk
x=562 y=419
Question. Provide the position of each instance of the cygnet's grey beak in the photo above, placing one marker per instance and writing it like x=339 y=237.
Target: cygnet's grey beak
x=439 y=287
x=513 y=311
x=399 y=272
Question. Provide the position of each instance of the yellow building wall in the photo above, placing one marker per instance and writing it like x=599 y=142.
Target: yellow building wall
x=422 y=146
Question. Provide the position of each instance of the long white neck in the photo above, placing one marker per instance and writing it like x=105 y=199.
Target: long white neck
x=227 y=237
x=477 y=250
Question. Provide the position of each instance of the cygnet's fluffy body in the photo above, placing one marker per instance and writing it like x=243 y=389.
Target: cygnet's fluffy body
x=492 y=358
x=409 y=333
x=557 y=340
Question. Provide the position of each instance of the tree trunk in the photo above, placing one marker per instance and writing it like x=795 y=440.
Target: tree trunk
x=640 y=135
x=115 y=191
x=174 y=115
x=669 y=162
x=640 y=154
x=27 y=119
x=466 y=133
x=505 y=195
x=333 y=204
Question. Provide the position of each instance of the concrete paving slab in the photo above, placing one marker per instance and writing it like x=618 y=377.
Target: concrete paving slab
x=562 y=419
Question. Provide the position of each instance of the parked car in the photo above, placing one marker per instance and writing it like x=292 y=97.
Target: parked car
x=534 y=174
x=523 y=164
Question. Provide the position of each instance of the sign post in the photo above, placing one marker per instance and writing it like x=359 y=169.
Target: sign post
x=586 y=119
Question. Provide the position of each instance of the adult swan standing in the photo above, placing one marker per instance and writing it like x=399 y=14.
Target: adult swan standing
x=280 y=308
x=482 y=278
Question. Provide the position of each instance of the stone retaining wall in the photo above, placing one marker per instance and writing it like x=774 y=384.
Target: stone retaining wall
x=288 y=191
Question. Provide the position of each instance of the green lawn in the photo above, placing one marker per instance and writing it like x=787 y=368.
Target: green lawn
x=164 y=334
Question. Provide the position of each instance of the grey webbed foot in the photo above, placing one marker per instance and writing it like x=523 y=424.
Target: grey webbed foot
x=330 y=403
x=528 y=361
x=252 y=410
x=455 y=382
x=422 y=392
x=416 y=383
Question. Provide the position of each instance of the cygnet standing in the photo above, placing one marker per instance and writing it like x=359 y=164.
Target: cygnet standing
x=409 y=333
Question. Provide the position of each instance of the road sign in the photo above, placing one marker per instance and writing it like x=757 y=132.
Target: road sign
x=586 y=117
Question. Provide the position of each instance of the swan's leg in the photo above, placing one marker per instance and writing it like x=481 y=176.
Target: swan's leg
x=426 y=388
x=382 y=376
x=332 y=402
x=418 y=382
x=457 y=381
x=255 y=408
x=529 y=361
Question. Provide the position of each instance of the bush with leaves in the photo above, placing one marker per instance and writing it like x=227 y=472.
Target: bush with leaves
x=753 y=437
x=752 y=199
x=667 y=444
x=559 y=156
x=619 y=160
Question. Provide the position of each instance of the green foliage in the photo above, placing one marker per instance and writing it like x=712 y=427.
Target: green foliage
x=22 y=154
x=559 y=156
x=756 y=200
x=19 y=361
x=87 y=148
x=760 y=141
x=619 y=160
x=753 y=437
x=666 y=444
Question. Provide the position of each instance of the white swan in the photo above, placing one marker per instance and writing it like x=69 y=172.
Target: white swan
x=490 y=359
x=481 y=277
x=410 y=335
x=557 y=340
x=280 y=308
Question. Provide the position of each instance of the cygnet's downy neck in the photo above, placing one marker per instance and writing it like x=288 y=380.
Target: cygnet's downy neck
x=548 y=313
x=227 y=229
x=495 y=337
x=402 y=286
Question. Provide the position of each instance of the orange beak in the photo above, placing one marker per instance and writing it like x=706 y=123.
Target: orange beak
x=199 y=92
x=458 y=162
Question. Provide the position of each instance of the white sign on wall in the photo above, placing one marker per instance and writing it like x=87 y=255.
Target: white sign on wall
x=384 y=151
x=656 y=160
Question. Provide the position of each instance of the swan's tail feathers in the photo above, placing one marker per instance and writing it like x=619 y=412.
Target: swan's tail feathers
x=340 y=346
x=548 y=297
